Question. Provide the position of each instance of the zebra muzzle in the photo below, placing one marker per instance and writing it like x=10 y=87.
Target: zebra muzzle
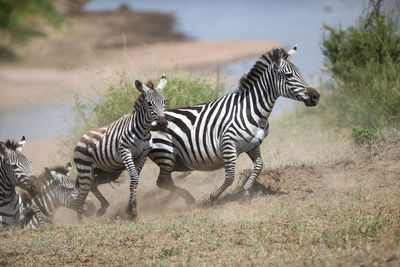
x=313 y=97
x=162 y=122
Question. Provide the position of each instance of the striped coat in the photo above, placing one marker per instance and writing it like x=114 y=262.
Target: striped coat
x=211 y=135
x=103 y=153
x=15 y=170
x=55 y=189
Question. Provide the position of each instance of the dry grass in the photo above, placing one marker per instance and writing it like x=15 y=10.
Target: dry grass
x=338 y=212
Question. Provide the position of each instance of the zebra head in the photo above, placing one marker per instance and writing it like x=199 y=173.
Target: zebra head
x=154 y=100
x=65 y=190
x=21 y=164
x=290 y=82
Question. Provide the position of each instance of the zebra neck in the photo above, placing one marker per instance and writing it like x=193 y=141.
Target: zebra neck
x=141 y=123
x=257 y=102
x=7 y=195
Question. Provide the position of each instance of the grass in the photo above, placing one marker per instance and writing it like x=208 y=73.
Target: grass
x=116 y=99
x=342 y=212
x=319 y=234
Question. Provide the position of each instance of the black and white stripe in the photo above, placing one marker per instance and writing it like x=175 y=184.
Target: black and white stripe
x=15 y=170
x=55 y=189
x=211 y=135
x=103 y=153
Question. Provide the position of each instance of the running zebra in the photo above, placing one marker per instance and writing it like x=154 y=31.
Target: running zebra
x=103 y=153
x=15 y=170
x=211 y=135
x=55 y=189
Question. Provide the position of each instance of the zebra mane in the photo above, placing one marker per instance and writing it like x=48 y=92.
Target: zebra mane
x=46 y=176
x=11 y=144
x=150 y=84
x=260 y=66
x=2 y=149
x=41 y=180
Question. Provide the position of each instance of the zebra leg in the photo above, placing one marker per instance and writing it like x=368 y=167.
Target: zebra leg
x=26 y=216
x=165 y=181
x=104 y=203
x=84 y=182
x=126 y=156
x=230 y=156
x=37 y=219
x=140 y=165
x=255 y=156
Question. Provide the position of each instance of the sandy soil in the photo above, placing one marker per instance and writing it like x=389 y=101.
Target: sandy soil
x=28 y=85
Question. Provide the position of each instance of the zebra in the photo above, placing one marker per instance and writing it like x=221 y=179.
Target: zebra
x=103 y=153
x=55 y=189
x=15 y=170
x=210 y=136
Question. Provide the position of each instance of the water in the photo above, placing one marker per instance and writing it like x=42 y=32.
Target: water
x=35 y=122
x=292 y=22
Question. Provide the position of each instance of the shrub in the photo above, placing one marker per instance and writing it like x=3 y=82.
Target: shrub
x=363 y=135
x=116 y=100
x=363 y=60
x=23 y=19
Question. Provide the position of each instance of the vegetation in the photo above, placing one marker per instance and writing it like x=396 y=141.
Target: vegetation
x=314 y=218
x=335 y=211
x=363 y=135
x=23 y=19
x=116 y=100
x=364 y=63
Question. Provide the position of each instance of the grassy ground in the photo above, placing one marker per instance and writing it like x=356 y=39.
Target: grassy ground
x=329 y=212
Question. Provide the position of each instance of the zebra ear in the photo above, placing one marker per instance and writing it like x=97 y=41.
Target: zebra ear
x=162 y=83
x=4 y=150
x=141 y=87
x=69 y=168
x=292 y=52
x=21 y=144
x=56 y=176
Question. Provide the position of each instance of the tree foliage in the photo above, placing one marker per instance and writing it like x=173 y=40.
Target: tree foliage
x=21 y=20
x=363 y=60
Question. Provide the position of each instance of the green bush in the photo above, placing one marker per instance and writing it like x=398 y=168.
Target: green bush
x=363 y=135
x=364 y=62
x=23 y=19
x=116 y=100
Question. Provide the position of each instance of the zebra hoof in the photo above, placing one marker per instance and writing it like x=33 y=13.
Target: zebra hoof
x=246 y=199
x=100 y=212
x=131 y=213
x=208 y=203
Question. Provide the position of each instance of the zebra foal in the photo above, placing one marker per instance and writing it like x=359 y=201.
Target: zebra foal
x=15 y=170
x=211 y=135
x=103 y=153
x=55 y=189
